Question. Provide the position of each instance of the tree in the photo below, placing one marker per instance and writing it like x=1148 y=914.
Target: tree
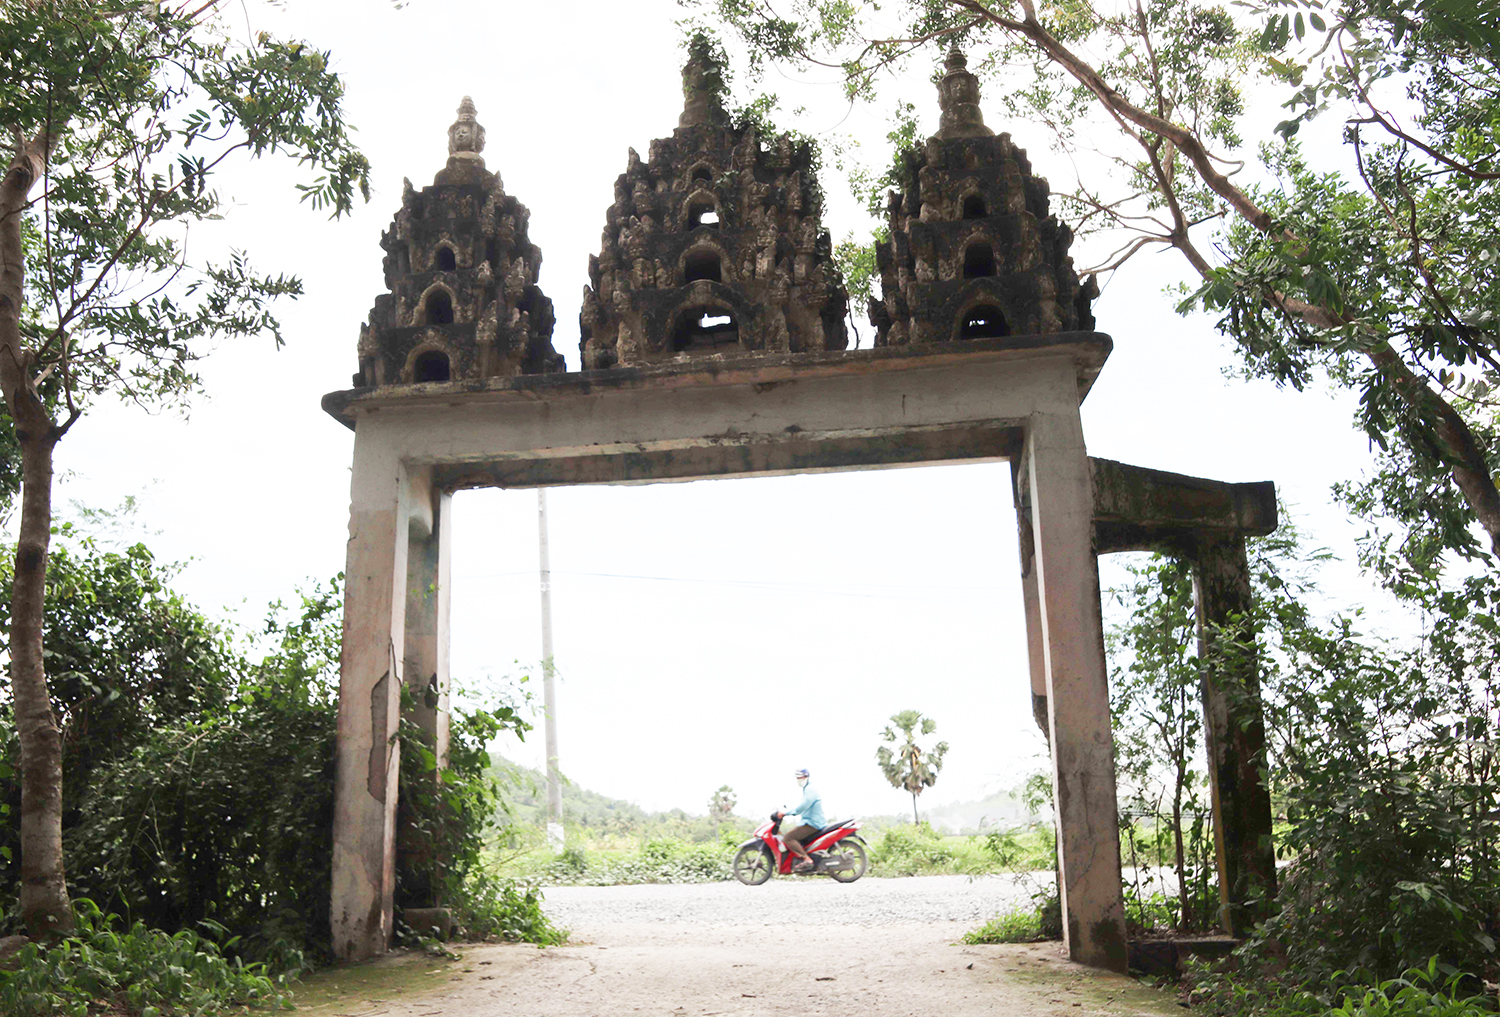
x=1384 y=278
x=118 y=112
x=909 y=767
x=721 y=807
x=1154 y=701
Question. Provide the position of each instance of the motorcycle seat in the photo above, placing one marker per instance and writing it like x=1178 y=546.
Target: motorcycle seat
x=827 y=829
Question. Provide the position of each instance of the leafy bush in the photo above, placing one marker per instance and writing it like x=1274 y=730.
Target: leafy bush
x=910 y=850
x=507 y=910
x=139 y=972
x=656 y=861
x=1431 y=990
x=226 y=817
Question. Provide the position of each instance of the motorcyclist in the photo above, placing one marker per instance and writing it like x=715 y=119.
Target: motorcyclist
x=809 y=819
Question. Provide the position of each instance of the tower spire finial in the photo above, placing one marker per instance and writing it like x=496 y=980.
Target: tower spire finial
x=958 y=95
x=466 y=135
x=702 y=84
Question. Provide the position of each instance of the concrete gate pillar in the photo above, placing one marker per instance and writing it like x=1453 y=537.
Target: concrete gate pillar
x=364 y=814
x=425 y=661
x=1055 y=487
x=1234 y=733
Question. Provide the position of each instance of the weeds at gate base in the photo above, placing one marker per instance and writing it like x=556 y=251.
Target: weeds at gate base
x=140 y=971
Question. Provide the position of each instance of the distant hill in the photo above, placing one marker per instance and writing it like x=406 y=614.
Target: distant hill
x=526 y=793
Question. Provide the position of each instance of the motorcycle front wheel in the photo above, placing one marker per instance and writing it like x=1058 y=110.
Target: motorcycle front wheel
x=753 y=865
x=855 y=849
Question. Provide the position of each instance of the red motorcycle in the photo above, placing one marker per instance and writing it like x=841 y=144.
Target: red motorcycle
x=835 y=851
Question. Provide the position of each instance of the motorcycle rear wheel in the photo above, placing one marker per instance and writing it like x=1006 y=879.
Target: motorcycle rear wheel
x=855 y=849
x=753 y=865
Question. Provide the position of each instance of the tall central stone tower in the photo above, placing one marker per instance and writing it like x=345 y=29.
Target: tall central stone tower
x=714 y=245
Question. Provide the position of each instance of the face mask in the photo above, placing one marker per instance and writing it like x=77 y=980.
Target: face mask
x=802 y=782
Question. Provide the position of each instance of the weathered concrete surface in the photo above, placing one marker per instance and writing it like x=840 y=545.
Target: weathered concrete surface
x=1234 y=734
x=1136 y=509
x=661 y=968
x=976 y=401
x=1059 y=499
x=364 y=814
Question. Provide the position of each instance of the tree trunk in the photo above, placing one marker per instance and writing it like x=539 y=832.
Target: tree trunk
x=916 y=820
x=44 y=892
x=1181 y=860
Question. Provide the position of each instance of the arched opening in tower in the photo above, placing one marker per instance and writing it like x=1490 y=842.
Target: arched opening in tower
x=702 y=265
x=431 y=366
x=979 y=261
x=446 y=262
x=705 y=328
x=704 y=174
x=439 y=308
x=702 y=213
x=974 y=206
x=983 y=322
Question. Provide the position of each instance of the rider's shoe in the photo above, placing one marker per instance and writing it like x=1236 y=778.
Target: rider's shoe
x=805 y=865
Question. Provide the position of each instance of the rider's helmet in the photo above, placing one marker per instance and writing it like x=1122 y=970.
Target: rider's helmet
x=801 y=774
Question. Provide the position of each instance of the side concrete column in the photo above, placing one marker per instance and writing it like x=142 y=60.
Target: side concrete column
x=428 y=596
x=364 y=812
x=1036 y=656
x=1234 y=733
x=425 y=672
x=1072 y=635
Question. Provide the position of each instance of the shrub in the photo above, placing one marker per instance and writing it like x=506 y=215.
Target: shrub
x=909 y=850
x=139 y=972
x=505 y=909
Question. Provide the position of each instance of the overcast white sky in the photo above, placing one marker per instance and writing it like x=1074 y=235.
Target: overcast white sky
x=707 y=633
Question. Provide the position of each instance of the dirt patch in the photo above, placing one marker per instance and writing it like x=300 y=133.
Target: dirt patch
x=697 y=971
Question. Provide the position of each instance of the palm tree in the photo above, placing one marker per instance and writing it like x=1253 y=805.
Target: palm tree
x=910 y=767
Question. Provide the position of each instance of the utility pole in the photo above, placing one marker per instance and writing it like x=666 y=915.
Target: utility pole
x=549 y=684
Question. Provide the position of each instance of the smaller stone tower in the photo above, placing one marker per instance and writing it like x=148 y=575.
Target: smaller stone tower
x=974 y=252
x=714 y=245
x=462 y=274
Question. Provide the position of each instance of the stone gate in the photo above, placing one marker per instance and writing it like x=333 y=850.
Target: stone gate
x=713 y=340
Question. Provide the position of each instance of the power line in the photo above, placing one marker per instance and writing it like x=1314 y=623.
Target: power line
x=866 y=590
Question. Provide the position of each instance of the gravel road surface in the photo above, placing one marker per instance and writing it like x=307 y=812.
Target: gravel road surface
x=790 y=948
x=818 y=900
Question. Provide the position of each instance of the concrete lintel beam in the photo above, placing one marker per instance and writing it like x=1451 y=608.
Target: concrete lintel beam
x=1139 y=509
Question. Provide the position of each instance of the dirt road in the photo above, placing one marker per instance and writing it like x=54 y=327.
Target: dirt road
x=723 y=950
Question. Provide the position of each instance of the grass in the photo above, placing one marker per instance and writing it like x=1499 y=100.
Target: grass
x=1024 y=926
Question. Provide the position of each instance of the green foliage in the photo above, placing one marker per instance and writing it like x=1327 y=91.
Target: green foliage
x=1041 y=921
x=1156 y=707
x=661 y=860
x=504 y=909
x=910 y=850
x=910 y=766
x=225 y=815
x=1021 y=926
x=139 y=972
x=1429 y=990
x=145 y=103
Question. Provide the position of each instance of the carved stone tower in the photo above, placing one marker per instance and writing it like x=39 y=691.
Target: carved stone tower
x=464 y=301
x=973 y=251
x=714 y=245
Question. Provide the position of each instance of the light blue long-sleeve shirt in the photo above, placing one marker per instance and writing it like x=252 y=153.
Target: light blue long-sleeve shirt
x=810 y=808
